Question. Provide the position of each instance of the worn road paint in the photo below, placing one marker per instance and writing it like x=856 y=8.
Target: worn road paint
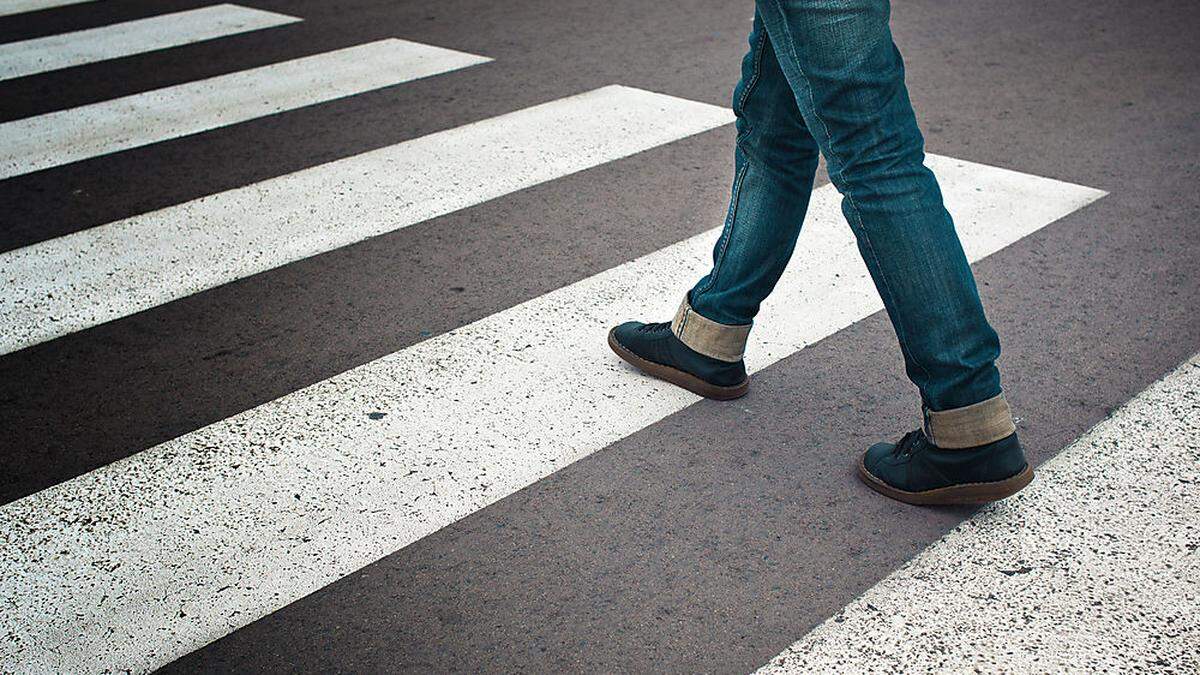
x=58 y=138
x=171 y=548
x=1091 y=568
x=103 y=273
x=40 y=55
x=10 y=7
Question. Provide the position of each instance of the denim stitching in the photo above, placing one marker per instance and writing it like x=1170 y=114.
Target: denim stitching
x=756 y=72
x=849 y=198
x=727 y=232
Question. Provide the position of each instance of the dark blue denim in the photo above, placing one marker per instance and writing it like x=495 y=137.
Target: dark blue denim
x=824 y=76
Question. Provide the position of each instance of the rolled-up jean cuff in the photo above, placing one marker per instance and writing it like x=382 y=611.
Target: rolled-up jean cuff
x=977 y=424
x=716 y=340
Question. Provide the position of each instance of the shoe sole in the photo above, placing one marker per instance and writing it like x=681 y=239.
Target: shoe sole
x=678 y=377
x=967 y=493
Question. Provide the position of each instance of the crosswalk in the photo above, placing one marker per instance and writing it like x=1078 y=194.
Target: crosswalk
x=386 y=482
x=153 y=556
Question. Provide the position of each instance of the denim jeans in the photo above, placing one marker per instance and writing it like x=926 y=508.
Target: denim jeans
x=824 y=76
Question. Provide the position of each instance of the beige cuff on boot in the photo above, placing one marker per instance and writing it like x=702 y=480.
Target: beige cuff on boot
x=978 y=424
x=712 y=339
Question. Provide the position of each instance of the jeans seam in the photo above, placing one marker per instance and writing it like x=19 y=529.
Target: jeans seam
x=849 y=197
x=727 y=232
x=754 y=77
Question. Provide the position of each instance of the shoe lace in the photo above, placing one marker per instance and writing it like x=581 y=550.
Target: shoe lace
x=910 y=444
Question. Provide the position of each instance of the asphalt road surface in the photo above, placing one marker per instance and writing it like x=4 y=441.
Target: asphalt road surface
x=302 y=357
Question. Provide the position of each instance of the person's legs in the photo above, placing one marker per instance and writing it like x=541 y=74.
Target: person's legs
x=846 y=83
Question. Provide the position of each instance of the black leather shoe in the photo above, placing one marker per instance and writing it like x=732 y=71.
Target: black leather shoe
x=654 y=349
x=918 y=472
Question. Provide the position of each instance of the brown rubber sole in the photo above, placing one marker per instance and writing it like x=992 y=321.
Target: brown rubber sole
x=967 y=493
x=678 y=377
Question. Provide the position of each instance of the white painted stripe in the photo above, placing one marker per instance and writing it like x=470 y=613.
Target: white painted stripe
x=39 y=55
x=108 y=272
x=1093 y=568
x=10 y=7
x=157 y=554
x=66 y=136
